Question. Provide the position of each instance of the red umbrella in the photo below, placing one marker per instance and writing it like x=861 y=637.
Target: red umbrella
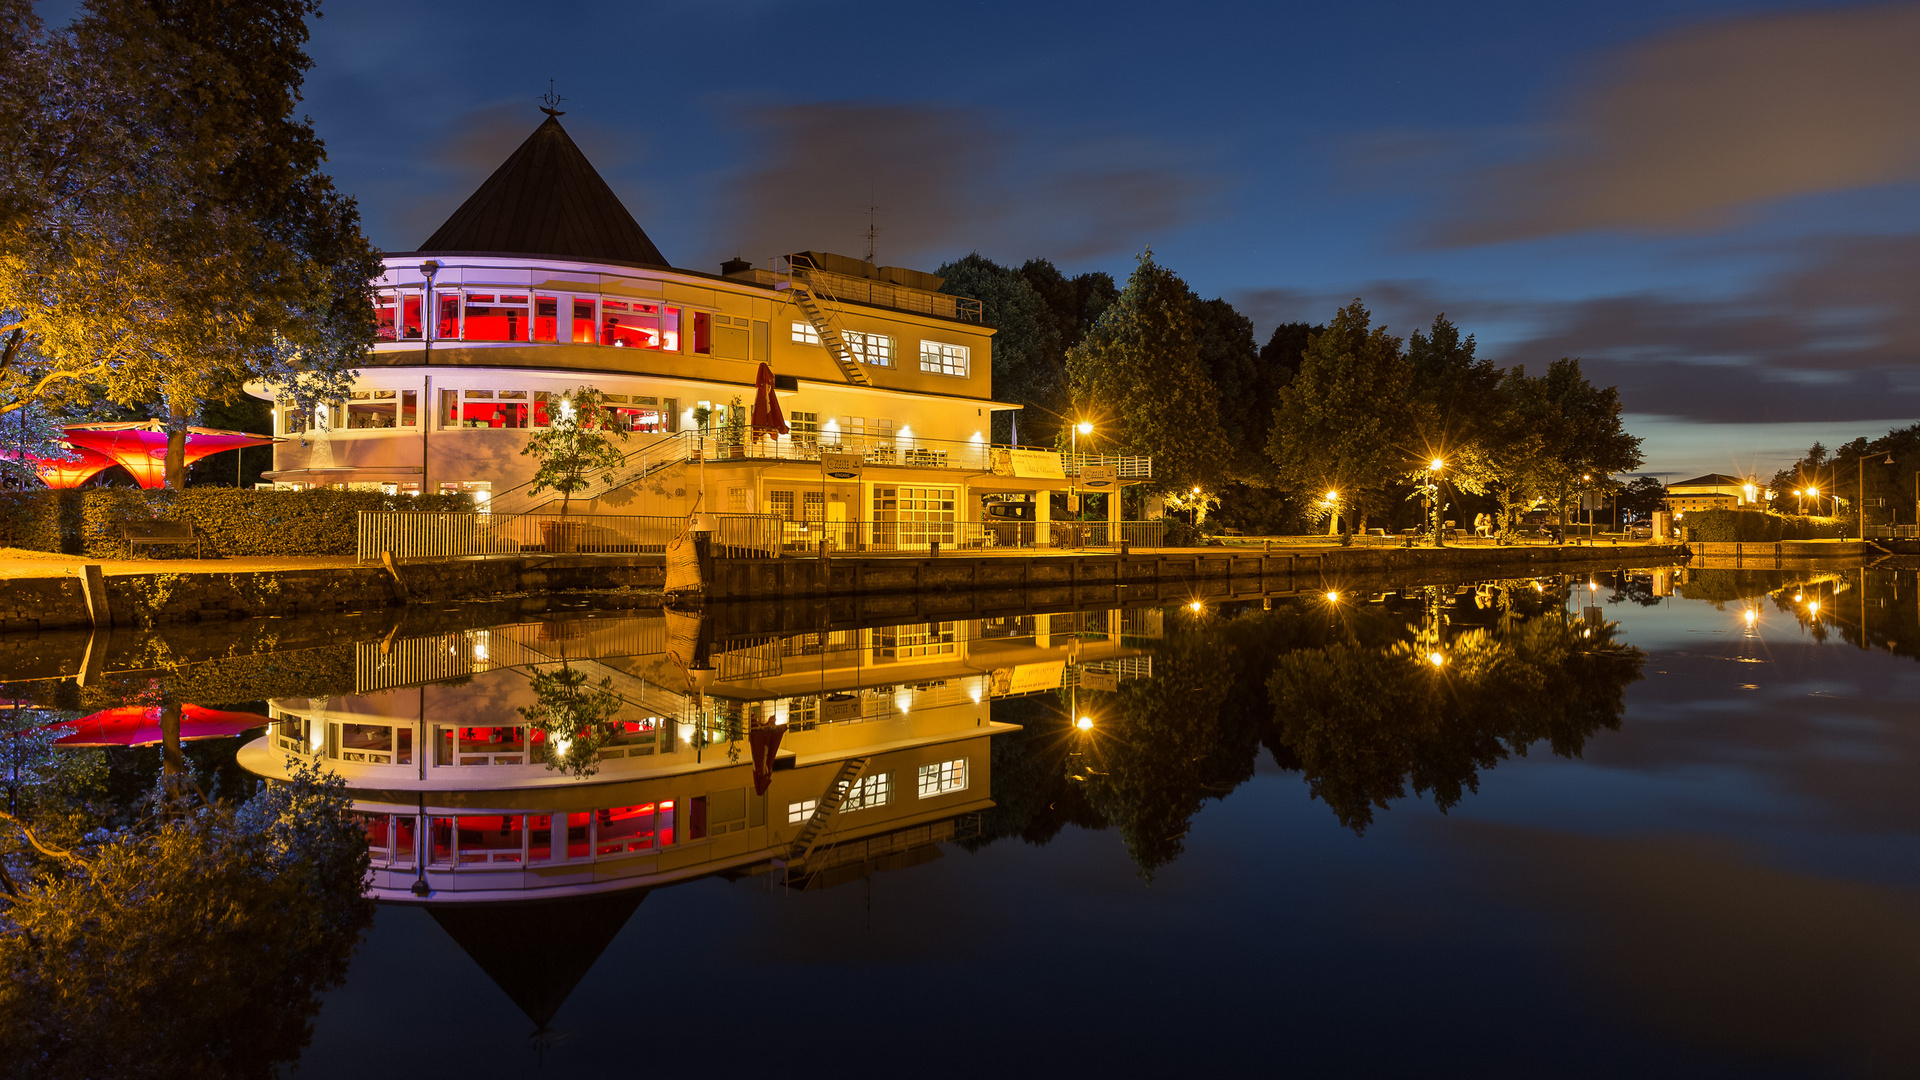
x=141 y=448
x=767 y=417
x=135 y=725
x=763 y=737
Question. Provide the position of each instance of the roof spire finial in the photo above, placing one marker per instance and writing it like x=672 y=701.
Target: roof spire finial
x=552 y=101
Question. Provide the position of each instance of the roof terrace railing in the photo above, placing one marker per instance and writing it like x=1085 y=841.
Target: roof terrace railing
x=856 y=290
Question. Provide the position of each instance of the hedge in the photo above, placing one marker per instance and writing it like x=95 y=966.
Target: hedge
x=1754 y=527
x=229 y=521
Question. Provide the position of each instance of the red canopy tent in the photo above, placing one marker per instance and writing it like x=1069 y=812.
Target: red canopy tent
x=71 y=474
x=141 y=447
x=767 y=417
x=135 y=725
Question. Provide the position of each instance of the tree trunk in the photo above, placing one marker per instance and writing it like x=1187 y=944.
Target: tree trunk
x=177 y=417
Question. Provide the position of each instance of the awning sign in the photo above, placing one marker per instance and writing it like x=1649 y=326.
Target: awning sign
x=1040 y=464
x=841 y=466
x=1099 y=476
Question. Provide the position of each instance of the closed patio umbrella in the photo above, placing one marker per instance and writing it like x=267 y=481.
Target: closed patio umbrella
x=767 y=417
x=137 y=725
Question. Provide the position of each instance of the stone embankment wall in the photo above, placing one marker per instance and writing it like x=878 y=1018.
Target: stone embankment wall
x=167 y=597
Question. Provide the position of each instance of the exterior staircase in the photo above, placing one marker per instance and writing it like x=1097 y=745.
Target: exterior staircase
x=830 y=802
x=807 y=297
x=638 y=464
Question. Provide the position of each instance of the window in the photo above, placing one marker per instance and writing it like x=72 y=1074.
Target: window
x=370 y=409
x=702 y=332
x=633 y=828
x=490 y=838
x=396 y=316
x=868 y=792
x=913 y=515
x=942 y=778
x=805 y=334
x=484 y=408
x=583 y=323
x=875 y=349
x=799 y=812
x=780 y=504
x=915 y=641
x=730 y=336
x=495 y=317
x=804 y=427
x=546 y=318
x=943 y=359
x=636 y=324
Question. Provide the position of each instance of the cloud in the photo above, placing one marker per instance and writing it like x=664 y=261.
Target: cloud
x=1680 y=132
x=1832 y=336
x=946 y=180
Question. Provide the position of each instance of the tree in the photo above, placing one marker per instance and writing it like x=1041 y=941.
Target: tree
x=169 y=233
x=581 y=440
x=1643 y=496
x=1341 y=424
x=1284 y=352
x=198 y=945
x=1026 y=369
x=28 y=435
x=1453 y=391
x=1139 y=371
x=576 y=716
x=1225 y=341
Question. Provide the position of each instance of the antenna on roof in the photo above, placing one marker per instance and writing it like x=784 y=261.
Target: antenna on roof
x=552 y=100
x=873 y=229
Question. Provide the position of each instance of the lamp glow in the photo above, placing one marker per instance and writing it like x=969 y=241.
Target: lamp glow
x=1436 y=465
x=1333 y=597
x=1084 y=427
x=1085 y=723
x=1437 y=659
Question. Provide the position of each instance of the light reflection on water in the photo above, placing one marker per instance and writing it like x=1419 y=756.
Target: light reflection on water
x=1675 y=836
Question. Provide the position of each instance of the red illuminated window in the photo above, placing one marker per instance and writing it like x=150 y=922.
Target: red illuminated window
x=546 y=318
x=496 y=317
x=449 y=317
x=628 y=828
x=702 y=332
x=583 y=322
x=384 y=311
x=639 y=325
x=491 y=838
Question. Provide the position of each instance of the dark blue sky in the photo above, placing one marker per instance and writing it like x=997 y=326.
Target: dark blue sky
x=1712 y=203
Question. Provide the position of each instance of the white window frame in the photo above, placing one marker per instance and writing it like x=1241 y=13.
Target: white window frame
x=875 y=350
x=799 y=812
x=941 y=778
x=869 y=792
x=942 y=358
x=806 y=333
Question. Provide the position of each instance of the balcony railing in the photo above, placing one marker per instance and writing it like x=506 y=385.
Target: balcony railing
x=908 y=451
x=874 y=293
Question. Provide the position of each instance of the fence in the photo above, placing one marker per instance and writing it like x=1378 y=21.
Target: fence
x=426 y=534
x=1893 y=532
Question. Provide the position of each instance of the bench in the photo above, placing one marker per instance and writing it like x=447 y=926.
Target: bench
x=153 y=533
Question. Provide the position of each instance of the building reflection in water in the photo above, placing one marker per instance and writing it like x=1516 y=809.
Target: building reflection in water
x=871 y=742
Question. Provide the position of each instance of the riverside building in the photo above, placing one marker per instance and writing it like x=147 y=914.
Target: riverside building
x=542 y=282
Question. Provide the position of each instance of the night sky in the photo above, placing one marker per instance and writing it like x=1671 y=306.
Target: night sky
x=1713 y=204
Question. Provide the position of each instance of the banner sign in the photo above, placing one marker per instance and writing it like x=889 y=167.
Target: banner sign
x=1099 y=476
x=1040 y=464
x=1099 y=680
x=1028 y=678
x=842 y=466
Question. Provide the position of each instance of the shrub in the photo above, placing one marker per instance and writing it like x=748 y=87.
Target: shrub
x=1754 y=527
x=230 y=521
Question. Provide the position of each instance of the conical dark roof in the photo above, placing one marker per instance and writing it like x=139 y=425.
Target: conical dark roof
x=546 y=199
x=538 y=951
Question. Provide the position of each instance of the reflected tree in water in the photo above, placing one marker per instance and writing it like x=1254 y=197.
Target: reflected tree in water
x=1365 y=724
x=196 y=944
x=575 y=714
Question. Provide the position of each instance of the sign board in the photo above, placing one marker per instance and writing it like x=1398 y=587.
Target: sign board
x=1099 y=476
x=1099 y=680
x=841 y=466
x=1028 y=678
x=1040 y=464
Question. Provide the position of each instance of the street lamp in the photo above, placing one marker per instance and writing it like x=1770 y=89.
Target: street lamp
x=1434 y=469
x=1084 y=427
x=1332 y=503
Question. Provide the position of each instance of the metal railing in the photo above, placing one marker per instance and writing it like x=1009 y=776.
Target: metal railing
x=1893 y=532
x=867 y=291
x=934 y=538
x=435 y=534
x=906 y=451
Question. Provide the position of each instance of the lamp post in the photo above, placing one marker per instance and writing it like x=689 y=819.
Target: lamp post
x=1332 y=502
x=1434 y=469
x=1084 y=427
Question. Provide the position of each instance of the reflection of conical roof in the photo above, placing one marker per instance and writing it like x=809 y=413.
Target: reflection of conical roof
x=547 y=199
x=538 y=951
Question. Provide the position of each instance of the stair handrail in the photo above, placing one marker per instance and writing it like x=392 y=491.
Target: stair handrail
x=644 y=451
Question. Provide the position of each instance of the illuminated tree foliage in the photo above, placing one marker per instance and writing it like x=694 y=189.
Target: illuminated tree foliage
x=166 y=231
x=198 y=946
x=576 y=715
x=1342 y=424
x=1139 y=373
x=581 y=441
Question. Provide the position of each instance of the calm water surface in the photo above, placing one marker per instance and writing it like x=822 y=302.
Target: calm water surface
x=1467 y=831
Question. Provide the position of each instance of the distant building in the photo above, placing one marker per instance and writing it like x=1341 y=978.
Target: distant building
x=1714 y=491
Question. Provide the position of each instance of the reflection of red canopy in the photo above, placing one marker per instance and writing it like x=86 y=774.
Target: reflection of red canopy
x=767 y=417
x=763 y=737
x=71 y=474
x=141 y=448
x=133 y=725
